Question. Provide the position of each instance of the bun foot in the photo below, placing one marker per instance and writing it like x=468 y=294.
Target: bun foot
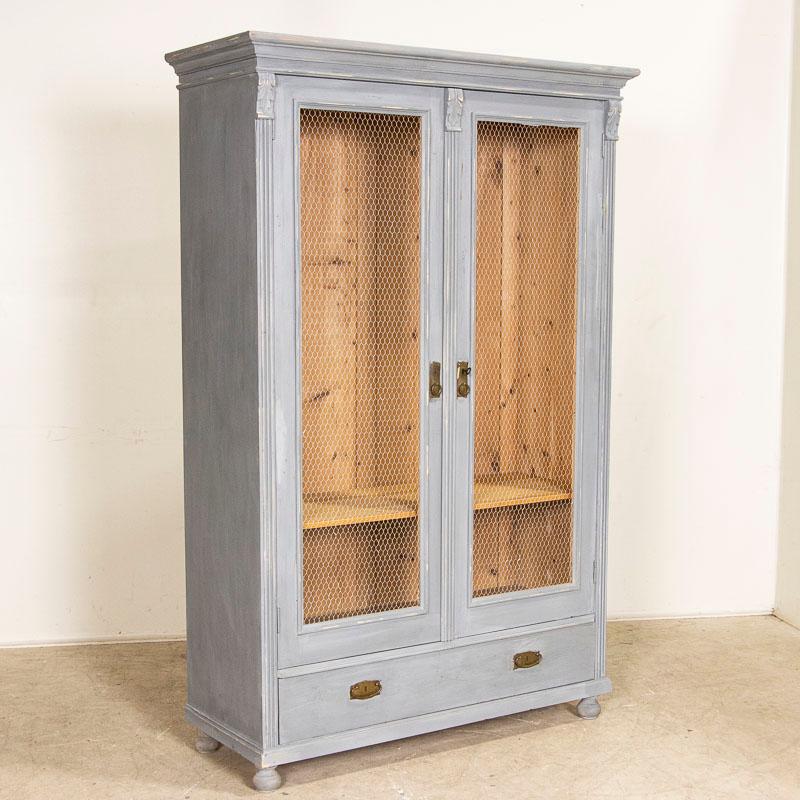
x=588 y=708
x=267 y=779
x=205 y=744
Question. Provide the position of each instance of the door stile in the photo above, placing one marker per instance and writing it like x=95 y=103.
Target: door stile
x=453 y=207
x=605 y=293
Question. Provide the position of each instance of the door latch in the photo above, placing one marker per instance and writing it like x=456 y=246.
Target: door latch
x=463 y=370
x=435 y=379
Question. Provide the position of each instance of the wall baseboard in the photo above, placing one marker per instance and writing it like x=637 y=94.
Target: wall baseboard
x=632 y=616
x=788 y=620
x=94 y=640
x=644 y=616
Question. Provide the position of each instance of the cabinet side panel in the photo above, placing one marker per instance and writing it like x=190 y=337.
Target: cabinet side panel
x=220 y=403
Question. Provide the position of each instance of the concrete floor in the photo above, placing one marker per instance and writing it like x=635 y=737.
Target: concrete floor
x=701 y=709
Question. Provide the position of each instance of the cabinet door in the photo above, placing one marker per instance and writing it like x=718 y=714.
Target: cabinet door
x=358 y=288
x=527 y=322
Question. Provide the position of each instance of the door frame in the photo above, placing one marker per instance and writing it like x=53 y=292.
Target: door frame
x=299 y=643
x=497 y=612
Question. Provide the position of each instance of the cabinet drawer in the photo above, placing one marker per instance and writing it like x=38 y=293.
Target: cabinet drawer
x=320 y=703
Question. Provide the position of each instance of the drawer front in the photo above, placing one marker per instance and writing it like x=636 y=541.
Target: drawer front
x=320 y=703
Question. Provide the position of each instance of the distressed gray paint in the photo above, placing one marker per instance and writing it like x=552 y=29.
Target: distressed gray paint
x=430 y=647
x=398 y=729
x=221 y=402
x=238 y=104
x=266 y=434
x=319 y=704
x=265 y=100
x=588 y=708
x=455 y=109
x=330 y=58
x=604 y=302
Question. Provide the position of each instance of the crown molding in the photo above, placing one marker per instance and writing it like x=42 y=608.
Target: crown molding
x=252 y=52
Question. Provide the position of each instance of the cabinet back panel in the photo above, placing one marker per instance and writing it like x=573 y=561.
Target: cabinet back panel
x=349 y=570
x=360 y=181
x=527 y=194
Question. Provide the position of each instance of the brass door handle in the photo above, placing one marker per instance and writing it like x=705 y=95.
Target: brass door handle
x=463 y=370
x=435 y=379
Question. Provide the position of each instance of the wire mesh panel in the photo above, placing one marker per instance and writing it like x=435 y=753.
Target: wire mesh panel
x=360 y=186
x=527 y=191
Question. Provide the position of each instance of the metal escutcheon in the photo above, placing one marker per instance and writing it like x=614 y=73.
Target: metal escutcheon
x=363 y=690
x=530 y=658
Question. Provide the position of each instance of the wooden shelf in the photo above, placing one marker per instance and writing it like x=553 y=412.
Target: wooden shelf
x=379 y=504
x=382 y=504
x=515 y=490
x=348 y=611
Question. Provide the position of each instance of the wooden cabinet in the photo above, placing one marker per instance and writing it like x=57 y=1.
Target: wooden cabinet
x=396 y=315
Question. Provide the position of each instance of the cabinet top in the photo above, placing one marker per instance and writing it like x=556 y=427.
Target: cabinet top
x=251 y=52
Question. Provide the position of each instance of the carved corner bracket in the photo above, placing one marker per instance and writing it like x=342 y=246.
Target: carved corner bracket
x=613 y=109
x=265 y=98
x=455 y=108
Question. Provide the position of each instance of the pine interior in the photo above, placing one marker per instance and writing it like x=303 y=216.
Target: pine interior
x=526 y=259
x=360 y=237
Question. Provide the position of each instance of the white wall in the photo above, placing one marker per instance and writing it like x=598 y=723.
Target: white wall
x=89 y=301
x=787 y=603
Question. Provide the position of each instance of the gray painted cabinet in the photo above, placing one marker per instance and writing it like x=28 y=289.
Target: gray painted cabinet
x=396 y=293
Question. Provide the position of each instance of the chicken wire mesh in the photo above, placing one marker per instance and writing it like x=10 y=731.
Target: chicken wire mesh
x=528 y=192
x=360 y=187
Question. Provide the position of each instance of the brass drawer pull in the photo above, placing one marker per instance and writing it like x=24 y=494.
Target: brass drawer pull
x=530 y=658
x=363 y=690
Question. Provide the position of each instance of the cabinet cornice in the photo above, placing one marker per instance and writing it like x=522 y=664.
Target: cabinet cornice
x=252 y=52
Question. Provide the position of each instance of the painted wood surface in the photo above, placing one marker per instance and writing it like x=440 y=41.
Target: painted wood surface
x=267 y=780
x=221 y=403
x=588 y=708
x=399 y=729
x=605 y=295
x=300 y=55
x=319 y=704
x=432 y=647
x=242 y=397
